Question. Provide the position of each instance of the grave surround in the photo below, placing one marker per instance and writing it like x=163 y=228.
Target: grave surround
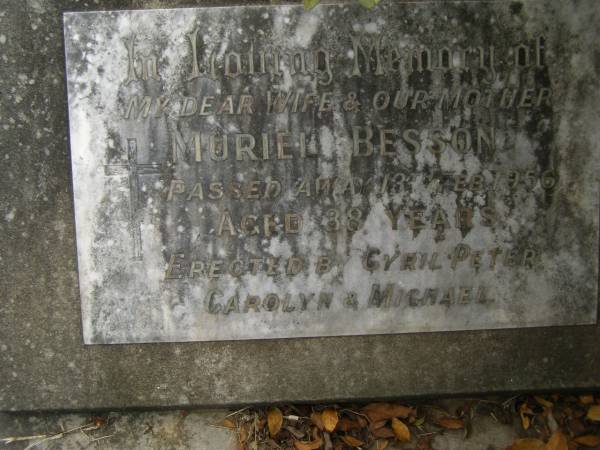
x=45 y=360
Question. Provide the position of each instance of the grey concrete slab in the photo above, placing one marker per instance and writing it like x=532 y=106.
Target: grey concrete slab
x=126 y=430
x=43 y=362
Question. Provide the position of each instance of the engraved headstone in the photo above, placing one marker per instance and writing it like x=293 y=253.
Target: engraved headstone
x=256 y=172
x=236 y=174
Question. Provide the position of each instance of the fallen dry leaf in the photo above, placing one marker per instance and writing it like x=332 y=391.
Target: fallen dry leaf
x=330 y=419
x=379 y=411
x=589 y=440
x=100 y=421
x=558 y=441
x=346 y=425
x=317 y=419
x=576 y=427
x=243 y=433
x=527 y=444
x=418 y=422
x=451 y=423
x=227 y=423
x=378 y=424
x=306 y=445
x=271 y=443
x=594 y=413
x=400 y=430
x=316 y=435
x=298 y=434
x=568 y=412
x=542 y=401
x=524 y=412
x=362 y=422
x=384 y=433
x=381 y=444
x=274 y=421
x=352 y=441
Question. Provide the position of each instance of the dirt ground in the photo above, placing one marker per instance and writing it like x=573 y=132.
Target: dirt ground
x=542 y=422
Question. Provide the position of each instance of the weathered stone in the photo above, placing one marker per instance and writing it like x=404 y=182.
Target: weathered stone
x=44 y=364
x=264 y=172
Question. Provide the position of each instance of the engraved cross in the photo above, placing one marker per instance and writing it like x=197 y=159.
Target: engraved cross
x=133 y=170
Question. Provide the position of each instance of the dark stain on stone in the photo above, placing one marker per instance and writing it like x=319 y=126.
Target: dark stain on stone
x=596 y=59
x=516 y=7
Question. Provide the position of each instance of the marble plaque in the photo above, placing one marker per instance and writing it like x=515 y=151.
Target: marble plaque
x=266 y=172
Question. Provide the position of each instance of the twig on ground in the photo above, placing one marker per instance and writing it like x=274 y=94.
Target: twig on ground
x=237 y=412
x=102 y=437
x=432 y=433
x=355 y=413
x=11 y=439
x=219 y=426
x=51 y=437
